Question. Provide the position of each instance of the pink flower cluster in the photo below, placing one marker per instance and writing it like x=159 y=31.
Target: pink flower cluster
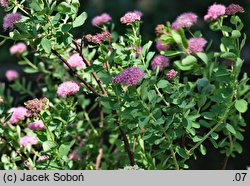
x=42 y=158
x=233 y=9
x=129 y=76
x=101 y=19
x=67 y=88
x=185 y=20
x=10 y=20
x=160 y=46
x=37 y=125
x=171 y=74
x=19 y=113
x=196 y=45
x=75 y=61
x=4 y=3
x=215 y=11
x=28 y=140
x=98 y=38
x=131 y=17
x=160 y=61
x=18 y=48
x=11 y=75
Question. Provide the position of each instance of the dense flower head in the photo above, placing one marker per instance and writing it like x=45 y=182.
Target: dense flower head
x=196 y=45
x=98 y=38
x=75 y=61
x=37 y=125
x=160 y=46
x=18 y=48
x=101 y=19
x=171 y=74
x=139 y=13
x=159 y=30
x=18 y=113
x=130 y=17
x=28 y=140
x=42 y=158
x=233 y=9
x=160 y=61
x=35 y=106
x=215 y=11
x=185 y=20
x=129 y=76
x=4 y=3
x=11 y=75
x=67 y=88
x=10 y=20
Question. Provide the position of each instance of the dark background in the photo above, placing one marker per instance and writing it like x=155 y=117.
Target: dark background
x=158 y=12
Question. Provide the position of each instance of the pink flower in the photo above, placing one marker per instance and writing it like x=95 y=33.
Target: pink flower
x=160 y=61
x=106 y=35
x=28 y=140
x=19 y=113
x=97 y=39
x=74 y=155
x=185 y=20
x=139 y=13
x=101 y=19
x=10 y=20
x=37 y=125
x=130 y=17
x=233 y=9
x=215 y=11
x=18 y=48
x=11 y=75
x=67 y=88
x=160 y=46
x=4 y=3
x=75 y=61
x=171 y=74
x=42 y=158
x=196 y=45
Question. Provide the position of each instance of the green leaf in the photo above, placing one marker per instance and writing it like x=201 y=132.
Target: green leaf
x=214 y=135
x=162 y=83
x=66 y=27
x=179 y=65
x=37 y=5
x=230 y=128
x=80 y=20
x=182 y=152
x=236 y=34
x=170 y=53
x=46 y=45
x=177 y=37
x=241 y=105
x=189 y=60
x=203 y=57
x=197 y=139
x=65 y=148
x=48 y=145
x=203 y=149
x=64 y=8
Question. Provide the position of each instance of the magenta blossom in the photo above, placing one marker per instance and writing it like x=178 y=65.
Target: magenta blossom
x=130 y=17
x=67 y=88
x=42 y=158
x=4 y=3
x=75 y=61
x=185 y=20
x=18 y=48
x=215 y=11
x=37 y=125
x=28 y=140
x=129 y=76
x=233 y=9
x=10 y=20
x=160 y=61
x=11 y=75
x=18 y=113
x=196 y=45
x=101 y=19
x=171 y=74
x=160 y=46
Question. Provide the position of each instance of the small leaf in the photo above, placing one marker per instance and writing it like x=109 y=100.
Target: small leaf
x=65 y=148
x=66 y=27
x=203 y=57
x=170 y=53
x=46 y=45
x=80 y=20
x=203 y=149
x=230 y=128
x=162 y=83
x=182 y=152
x=179 y=65
x=189 y=60
x=48 y=145
x=241 y=105
x=236 y=34
x=214 y=135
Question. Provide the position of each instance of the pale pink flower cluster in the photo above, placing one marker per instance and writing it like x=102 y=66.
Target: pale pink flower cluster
x=19 y=113
x=28 y=140
x=185 y=20
x=196 y=45
x=98 y=38
x=171 y=74
x=160 y=46
x=75 y=61
x=37 y=125
x=42 y=158
x=11 y=75
x=67 y=88
x=215 y=11
x=18 y=48
x=131 y=17
x=160 y=61
x=4 y=3
x=101 y=19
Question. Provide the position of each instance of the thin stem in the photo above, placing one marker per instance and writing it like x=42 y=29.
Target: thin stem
x=5 y=37
x=90 y=123
x=174 y=158
x=75 y=73
x=162 y=97
x=29 y=62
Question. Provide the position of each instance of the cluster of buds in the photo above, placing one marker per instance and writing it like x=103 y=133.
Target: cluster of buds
x=35 y=106
x=98 y=38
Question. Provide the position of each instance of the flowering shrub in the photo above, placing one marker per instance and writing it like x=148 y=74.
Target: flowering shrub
x=107 y=101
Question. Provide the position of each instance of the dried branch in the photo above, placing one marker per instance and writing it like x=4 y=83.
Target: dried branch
x=98 y=159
